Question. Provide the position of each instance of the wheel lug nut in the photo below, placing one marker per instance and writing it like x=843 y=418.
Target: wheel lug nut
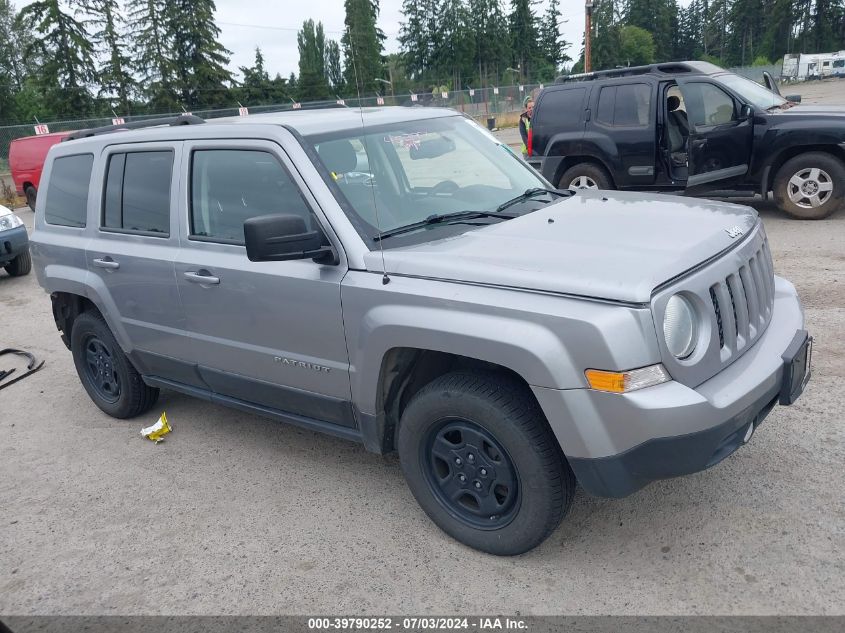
x=470 y=458
x=478 y=485
x=462 y=477
x=483 y=471
x=459 y=461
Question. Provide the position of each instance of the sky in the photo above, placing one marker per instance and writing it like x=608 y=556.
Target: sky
x=274 y=29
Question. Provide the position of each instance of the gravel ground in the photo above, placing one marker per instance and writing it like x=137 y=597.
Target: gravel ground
x=239 y=515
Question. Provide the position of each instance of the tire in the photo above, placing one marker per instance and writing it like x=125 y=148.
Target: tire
x=810 y=186
x=591 y=176
x=20 y=265
x=128 y=396
x=494 y=435
x=30 y=194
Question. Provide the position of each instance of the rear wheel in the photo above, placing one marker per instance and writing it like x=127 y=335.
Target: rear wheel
x=810 y=186
x=482 y=462
x=107 y=375
x=20 y=265
x=585 y=176
x=30 y=197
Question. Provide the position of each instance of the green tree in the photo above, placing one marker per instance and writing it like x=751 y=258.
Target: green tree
x=334 y=72
x=13 y=40
x=658 y=17
x=115 y=75
x=362 y=45
x=256 y=87
x=199 y=58
x=313 y=82
x=636 y=46
x=552 y=44
x=492 y=51
x=524 y=37
x=152 y=52
x=63 y=47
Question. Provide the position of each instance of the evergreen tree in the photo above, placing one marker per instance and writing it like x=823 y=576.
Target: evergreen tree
x=524 y=37
x=256 y=87
x=152 y=52
x=115 y=75
x=334 y=72
x=63 y=47
x=453 y=56
x=550 y=41
x=313 y=82
x=199 y=59
x=656 y=17
x=362 y=45
x=13 y=40
x=492 y=45
x=415 y=37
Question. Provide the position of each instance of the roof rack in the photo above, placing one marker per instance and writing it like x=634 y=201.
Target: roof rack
x=670 y=68
x=182 y=119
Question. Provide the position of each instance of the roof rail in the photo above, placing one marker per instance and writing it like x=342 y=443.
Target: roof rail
x=662 y=69
x=182 y=119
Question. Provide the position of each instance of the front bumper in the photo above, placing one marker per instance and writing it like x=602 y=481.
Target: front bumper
x=618 y=443
x=12 y=243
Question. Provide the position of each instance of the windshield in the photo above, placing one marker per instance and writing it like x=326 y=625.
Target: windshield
x=750 y=91
x=393 y=175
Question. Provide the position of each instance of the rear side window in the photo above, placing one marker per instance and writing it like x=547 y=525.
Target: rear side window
x=137 y=196
x=230 y=186
x=625 y=106
x=67 y=192
x=562 y=107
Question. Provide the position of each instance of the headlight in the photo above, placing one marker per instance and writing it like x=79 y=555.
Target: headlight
x=9 y=221
x=680 y=327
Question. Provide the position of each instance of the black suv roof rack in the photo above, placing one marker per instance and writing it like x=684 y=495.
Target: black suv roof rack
x=182 y=119
x=670 y=68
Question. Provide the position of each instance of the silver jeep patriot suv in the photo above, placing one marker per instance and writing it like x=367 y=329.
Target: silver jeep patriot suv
x=399 y=278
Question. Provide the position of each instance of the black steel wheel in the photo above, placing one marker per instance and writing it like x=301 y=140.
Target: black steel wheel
x=471 y=474
x=111 y=381
x=483 y=463
x=100 y=369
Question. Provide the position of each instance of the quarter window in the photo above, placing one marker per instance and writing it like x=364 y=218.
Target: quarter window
x=67 y=192
x=625 y=106
x=230 y=186
x=137 y=196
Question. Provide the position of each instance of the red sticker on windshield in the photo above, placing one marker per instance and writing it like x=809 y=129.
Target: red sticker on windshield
x=406 y=141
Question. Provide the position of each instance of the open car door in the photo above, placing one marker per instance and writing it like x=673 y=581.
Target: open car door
x=720 y=133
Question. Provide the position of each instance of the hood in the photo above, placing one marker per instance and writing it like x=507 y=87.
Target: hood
x=5 y=211
x=609 y=245
x=808 y=109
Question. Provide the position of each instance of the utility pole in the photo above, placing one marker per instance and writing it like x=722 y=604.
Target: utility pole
x=588 y=31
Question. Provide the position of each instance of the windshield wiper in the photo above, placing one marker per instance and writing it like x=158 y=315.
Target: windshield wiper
x=444 y=218
x=531 y=193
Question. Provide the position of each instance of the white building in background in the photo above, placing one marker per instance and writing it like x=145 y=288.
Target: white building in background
x=799 y=66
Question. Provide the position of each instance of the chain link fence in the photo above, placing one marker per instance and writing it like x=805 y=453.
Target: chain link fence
x=492 y=106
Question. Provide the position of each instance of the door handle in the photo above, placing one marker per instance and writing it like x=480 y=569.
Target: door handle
x=106 y=262
x=201 y=277
x=699 y=143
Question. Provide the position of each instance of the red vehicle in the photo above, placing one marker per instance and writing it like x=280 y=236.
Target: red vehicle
x=26 y=158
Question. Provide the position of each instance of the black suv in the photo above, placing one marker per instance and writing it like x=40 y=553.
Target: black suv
x=689 y=126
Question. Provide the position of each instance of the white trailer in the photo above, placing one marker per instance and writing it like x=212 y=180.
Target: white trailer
x=803 y=66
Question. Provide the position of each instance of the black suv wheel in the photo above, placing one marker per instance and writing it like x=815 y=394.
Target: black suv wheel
x=585 y=176
x=107 y=375
x=810 y=186
x=483 y=463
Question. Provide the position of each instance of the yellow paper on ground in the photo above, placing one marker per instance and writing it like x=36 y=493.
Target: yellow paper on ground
x=157 y=431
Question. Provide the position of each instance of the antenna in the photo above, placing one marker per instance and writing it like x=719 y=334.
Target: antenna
x=385 y=279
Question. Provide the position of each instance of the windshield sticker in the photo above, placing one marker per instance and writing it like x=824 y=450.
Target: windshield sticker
x=405 y=141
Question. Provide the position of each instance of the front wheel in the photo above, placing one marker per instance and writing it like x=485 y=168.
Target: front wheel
x=20 y=265
x=810 y=186
x=482 y=462
x=585 y=176
x=104 y=370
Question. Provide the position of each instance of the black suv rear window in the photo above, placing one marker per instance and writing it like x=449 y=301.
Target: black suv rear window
x=67 y=192
x=563 y=106
x=137 y=197
x=628 y=105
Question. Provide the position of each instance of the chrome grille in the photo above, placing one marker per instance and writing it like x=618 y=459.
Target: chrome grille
x=742 y=302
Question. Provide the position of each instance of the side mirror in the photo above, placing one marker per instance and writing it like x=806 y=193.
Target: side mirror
x=793 y=98
x=282 y=237
x=746 y=111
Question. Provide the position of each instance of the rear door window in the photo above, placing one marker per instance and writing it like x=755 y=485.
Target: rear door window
x=627 y=105
x=67 y=191
x=137 y=195
x=563 y=107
